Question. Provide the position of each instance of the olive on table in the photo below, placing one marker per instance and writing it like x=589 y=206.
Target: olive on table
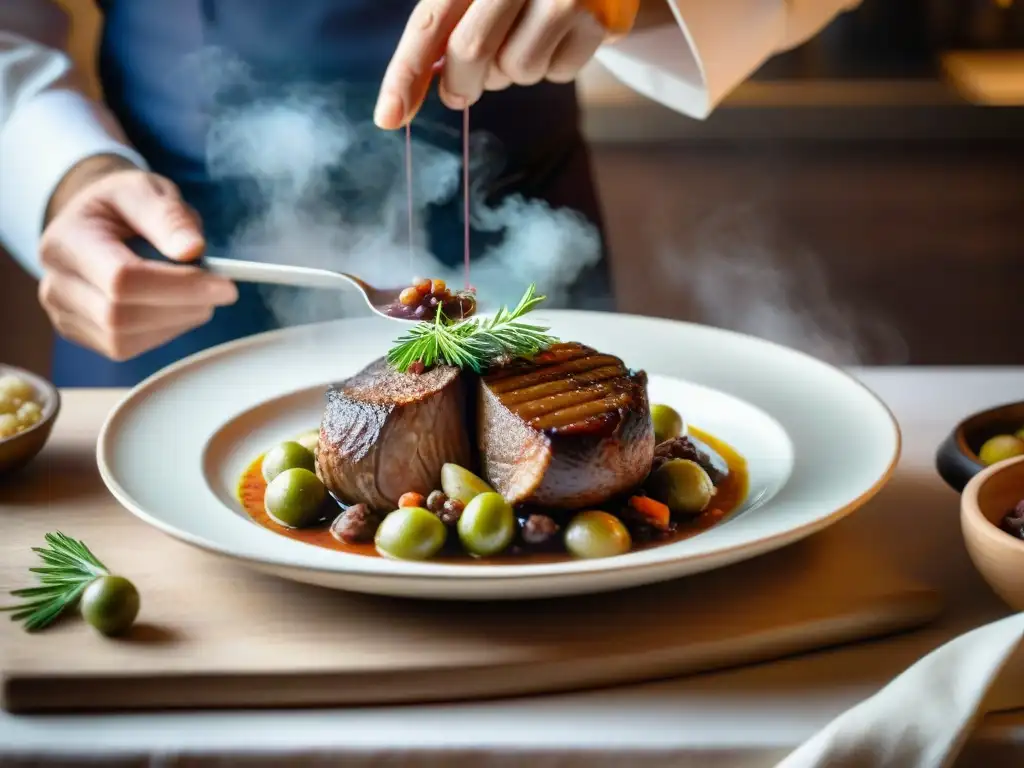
x=595 y=534
x=682 y=485
x=459 y=483
x=668 y=424
x=410 y=533
x=1000 y=448
x=289 y=455
x=295 y=498
x=110 y=604
x=309 y=440
x=487 y=525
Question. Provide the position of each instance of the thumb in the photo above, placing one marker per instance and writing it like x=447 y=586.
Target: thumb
x=152 y=206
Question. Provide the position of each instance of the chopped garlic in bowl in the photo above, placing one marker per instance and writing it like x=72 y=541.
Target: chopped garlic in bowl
x=20 y=406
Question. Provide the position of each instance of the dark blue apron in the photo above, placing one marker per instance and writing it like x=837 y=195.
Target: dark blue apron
x=160 y=82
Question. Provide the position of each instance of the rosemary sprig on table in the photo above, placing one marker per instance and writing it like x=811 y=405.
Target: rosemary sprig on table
x=473 y=344
x=69 y=568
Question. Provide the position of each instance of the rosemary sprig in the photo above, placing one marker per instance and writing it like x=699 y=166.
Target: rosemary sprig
x=69 y=568
x=473 y=344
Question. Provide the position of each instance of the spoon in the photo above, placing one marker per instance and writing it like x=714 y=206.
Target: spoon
x=377 y=299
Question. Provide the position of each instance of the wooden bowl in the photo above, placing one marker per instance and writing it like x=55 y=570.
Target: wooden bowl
x=997 y=555
x=18 y=450
x=957 y=458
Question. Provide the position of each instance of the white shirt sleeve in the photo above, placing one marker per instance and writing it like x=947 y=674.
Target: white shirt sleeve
x=715 y=45
x=47 y=125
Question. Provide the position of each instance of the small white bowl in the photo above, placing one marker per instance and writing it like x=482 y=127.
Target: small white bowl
x=997 y=555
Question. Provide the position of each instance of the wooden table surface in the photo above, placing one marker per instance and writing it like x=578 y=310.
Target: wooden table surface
x=744 y=717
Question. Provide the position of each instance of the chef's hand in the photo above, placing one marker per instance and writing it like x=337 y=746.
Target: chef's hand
x=95 y=290
x=489 y=45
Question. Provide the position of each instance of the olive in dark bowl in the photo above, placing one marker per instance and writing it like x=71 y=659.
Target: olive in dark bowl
x=959 y=457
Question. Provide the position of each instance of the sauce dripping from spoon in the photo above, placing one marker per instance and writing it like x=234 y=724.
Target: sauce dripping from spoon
x=465 y=194
x=425 y=297
x=465 y=191
x=408 y=187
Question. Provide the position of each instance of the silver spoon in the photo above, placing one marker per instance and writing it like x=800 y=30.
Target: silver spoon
x=377 y=299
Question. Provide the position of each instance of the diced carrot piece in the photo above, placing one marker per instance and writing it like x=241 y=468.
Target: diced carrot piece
x=411 y=499
x=438 y=287
x=410 y=297
x=654 y=511
x=422 y=285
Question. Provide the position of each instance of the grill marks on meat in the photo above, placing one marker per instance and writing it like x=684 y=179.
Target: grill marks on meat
x=567 y=388
x=569 y=428
x=385 y=433
x=565 y=430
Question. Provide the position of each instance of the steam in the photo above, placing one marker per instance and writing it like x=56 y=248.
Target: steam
x=735 y=279
x=330 y=192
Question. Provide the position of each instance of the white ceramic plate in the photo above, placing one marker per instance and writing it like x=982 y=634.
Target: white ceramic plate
x=817 y=442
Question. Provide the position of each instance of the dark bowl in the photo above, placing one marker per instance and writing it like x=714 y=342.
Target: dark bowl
x=957 y=458
x=18 y=450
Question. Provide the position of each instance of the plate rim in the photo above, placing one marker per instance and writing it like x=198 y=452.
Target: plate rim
x=481 y=574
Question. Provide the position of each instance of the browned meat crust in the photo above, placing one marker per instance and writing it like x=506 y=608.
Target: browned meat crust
x=570 y=428
x=385 y=433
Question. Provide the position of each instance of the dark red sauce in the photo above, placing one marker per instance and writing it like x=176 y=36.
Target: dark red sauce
x=425 y=306
x=730 y=494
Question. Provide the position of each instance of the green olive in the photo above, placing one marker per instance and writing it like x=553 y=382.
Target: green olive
x=487 y=525
x=410 y=533
x=459 y=483
x=295 y=498
x=309 y=440
x=110 y=604
x=1000 y=448
x=1019 y=434
x=290 y=455
x=668 y=424
x=682 y=485
x=596 y=534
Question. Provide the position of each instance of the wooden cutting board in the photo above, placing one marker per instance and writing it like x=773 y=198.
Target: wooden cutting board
x=214 y=634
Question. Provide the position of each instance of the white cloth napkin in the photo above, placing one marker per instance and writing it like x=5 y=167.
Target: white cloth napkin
x=924 y=716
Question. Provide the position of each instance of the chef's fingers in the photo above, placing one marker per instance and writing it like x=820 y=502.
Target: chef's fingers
x=80 y=314
x=152 y=206
x=69 y=293
x=496 y=79
x=118 y=347
x=80 y=331
x=135 y=344
x=127 y=346
x=408 y=75
x=527 y=52
x=472 y=47
x=576 y=49
x=95 y=253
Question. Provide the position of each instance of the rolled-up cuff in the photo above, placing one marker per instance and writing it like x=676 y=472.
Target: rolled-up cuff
x=44 y=138
x=690 y=67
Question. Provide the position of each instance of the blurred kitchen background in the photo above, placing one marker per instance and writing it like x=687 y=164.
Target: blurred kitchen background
x=862 y=197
